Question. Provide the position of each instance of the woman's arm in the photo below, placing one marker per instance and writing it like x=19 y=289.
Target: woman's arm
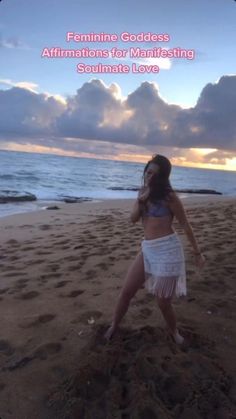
x=178 y=211
x=136 y=211
x=139 y=204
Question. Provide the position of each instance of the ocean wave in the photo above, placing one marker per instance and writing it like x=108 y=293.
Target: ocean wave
x=7 y=177
x=16 y=176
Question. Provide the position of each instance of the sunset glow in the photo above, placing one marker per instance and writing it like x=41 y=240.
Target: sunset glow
x=183 y=161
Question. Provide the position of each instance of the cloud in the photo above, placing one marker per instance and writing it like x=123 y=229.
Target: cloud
x=92 y=112
x=212 y=120
x=24 y=84
x=98 y=112
x=217 y=157
x=12 y=43
x=25 y=113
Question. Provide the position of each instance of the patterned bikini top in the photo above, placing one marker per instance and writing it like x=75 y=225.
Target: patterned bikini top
x=159 y=209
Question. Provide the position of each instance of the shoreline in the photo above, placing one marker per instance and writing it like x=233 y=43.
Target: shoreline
x=188 y=199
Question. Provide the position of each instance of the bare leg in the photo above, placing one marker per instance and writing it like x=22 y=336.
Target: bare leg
x=170 y=318
x=134 y=279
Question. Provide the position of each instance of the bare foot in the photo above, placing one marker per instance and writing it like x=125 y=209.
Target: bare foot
x=109 y=333
x=177 y=338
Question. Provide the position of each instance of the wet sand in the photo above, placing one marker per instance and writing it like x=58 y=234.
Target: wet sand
x=61 y=273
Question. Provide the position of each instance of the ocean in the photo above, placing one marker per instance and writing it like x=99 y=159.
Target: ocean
x=52 y=178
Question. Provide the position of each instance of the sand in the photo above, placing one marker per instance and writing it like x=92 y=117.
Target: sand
x=61 y=272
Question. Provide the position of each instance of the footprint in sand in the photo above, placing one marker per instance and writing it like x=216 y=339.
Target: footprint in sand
x=63 y=242
x=29 y=295
x=21 y=281
x=129 y=256
x=65 y=247
x=20 y=284
x=71 y=258
x=2 y=386
x=45 y=227
x=76 y=267
x=61 y=284
x=13 y=242
x=53 y=275
x=53 y=267
x=200 y=286
x=43 y=252
x=42 y=279
x=90 y=274
x=145 y=313
x=102 y=266
x=6 y=348
x=42 y=319
x=75 y=293
x=14 y=273
x=4 y=290
x=80 y=246
x=27 y=248
x=43 y=351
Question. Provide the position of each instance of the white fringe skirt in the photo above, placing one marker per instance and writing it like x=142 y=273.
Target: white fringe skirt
x=164 y=266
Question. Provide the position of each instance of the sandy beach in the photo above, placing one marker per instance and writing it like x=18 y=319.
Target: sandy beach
x=61 y=273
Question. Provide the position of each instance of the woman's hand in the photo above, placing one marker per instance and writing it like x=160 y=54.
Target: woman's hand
x=200 y=260
x=143 y=194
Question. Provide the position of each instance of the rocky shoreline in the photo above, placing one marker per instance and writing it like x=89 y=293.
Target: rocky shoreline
x=8 y=196
x=193 y=191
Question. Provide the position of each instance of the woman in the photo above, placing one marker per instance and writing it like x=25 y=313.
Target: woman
x=160 y=265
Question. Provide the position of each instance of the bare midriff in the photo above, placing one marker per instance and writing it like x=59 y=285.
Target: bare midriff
x=156 y=227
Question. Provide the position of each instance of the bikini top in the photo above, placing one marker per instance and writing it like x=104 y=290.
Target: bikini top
x=159 y=209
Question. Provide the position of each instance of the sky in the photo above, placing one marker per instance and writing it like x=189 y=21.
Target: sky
x=182 y=107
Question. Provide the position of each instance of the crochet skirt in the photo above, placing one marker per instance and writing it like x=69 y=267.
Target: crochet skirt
x=164 y=265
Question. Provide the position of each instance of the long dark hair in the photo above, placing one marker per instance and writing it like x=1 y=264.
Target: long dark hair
x=160 y=186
